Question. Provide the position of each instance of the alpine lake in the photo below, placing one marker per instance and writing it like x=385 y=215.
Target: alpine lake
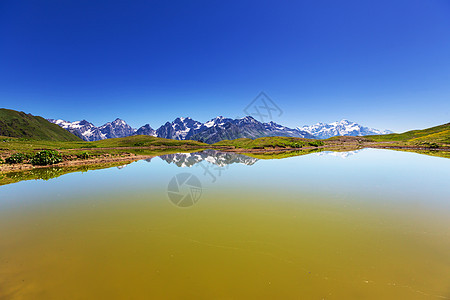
x=365 y=224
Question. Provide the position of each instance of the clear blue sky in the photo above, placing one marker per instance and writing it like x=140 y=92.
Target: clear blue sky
x=384 y=63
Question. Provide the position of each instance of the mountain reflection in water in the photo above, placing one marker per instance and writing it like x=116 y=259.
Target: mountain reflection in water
x=218 y=158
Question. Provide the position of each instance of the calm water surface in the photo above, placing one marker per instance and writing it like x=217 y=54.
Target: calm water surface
x=371 y=224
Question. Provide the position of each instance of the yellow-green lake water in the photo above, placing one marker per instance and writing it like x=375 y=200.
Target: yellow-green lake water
x=373 y=224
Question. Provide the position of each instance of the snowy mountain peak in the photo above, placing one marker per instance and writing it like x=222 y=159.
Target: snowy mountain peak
x=249 y=119
x=179 y=129
x=217 y=121
x=119 y=122
x=184 y=120
x=340 y=128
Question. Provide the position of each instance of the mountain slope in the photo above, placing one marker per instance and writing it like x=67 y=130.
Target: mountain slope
x=436 y=134
x=146 y=130
x=22 y=125
x=179 y=129
x=221 y=128
x=342 y=128
x=82 y=129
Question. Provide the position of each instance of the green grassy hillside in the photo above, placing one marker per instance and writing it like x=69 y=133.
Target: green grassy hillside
x=10 y=145
x=283 y=154
x=438 y=134
x=19 y=124
x=144 y=141
x=269 y=142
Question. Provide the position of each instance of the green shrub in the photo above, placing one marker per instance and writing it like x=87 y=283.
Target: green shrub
x=16 y=158
x=316 y=143
x=433 y=145
x=2 y=161
x=46 y=157
x=27 y=156
x=83 y=155
x=428 y=145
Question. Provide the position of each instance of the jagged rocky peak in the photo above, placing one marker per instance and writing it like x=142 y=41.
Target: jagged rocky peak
x=248 y=119
x=116 y=123
x=146 y=130
x=116 y=129
x=179 y=129
x=119 y=122
x=217 y=121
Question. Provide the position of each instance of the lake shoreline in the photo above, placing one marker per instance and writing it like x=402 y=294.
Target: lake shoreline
x=7 y=168
x=130 y=157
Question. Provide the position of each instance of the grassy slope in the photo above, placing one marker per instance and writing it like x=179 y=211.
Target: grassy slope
x=10 y=145
x=282 y=154
x=22 y=125
x=267 y=142
x=145 y=141
x=438 y=134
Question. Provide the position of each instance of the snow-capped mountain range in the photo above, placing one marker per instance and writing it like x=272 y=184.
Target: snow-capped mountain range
x=341 y=128
x=89 y=132
x=214 y=130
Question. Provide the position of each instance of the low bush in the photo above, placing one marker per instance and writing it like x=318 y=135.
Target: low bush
x=315 y=143
x=16 y=158
x=83 y=155
x=46 y=157
x=433 y=145
x=28 y=156
x=2 y=161
x=429 y=145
